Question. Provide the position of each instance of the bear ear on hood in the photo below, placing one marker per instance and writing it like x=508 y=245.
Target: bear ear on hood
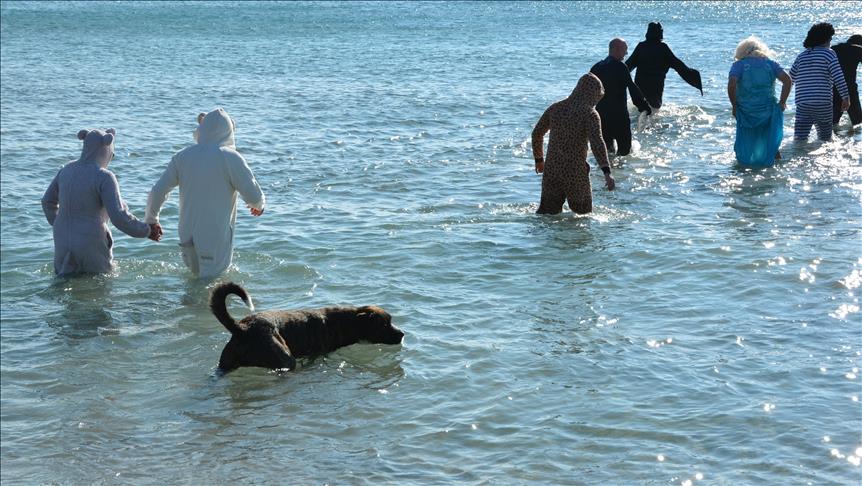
x=82 y=134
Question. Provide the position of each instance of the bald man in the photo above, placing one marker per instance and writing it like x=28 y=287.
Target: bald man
x=613 y=108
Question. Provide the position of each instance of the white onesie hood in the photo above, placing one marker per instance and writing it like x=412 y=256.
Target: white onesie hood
x=210 y=175
x=217 y=128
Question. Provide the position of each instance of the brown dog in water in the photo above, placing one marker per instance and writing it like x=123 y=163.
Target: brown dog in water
x=275 y=339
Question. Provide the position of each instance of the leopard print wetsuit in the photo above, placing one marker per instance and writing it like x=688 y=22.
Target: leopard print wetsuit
x=573 y=122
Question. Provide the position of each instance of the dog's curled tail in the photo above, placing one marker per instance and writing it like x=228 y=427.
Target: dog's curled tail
x=219 y=309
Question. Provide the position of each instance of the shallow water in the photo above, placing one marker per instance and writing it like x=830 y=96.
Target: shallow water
x=702 y=325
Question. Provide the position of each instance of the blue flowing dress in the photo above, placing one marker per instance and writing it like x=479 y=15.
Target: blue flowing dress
x=759 y=120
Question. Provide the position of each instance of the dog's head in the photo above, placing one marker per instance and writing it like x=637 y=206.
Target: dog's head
x=374 y=325
x=256 y=343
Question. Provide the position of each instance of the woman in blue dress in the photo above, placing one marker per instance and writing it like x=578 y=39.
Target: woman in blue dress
x=759 y=117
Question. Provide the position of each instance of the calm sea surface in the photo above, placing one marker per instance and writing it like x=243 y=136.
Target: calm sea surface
x=702 y=326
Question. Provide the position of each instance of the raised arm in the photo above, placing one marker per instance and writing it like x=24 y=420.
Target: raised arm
x=109 y=191
x=689 y=75
x=600 y=151
x=159 y=193
x=51 y=200
x=538 y=140
x=674 y=61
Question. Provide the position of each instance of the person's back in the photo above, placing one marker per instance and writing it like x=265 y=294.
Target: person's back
x=207 y=193
x=574 y=126
x=209 y=175
x=568 y=134
x=614 y=77
x=814 y=73
x=78 y=204
x=652 y=59
x=849 y=57
x=751 y=92
x=613 y=107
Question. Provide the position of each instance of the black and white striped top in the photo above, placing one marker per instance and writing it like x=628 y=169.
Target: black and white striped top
x=814 y=72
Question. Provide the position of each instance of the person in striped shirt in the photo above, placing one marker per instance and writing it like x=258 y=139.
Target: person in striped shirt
x=814 y=72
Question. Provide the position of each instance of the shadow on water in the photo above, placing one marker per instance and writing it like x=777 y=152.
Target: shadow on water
x=751 y=191
x=350 y=371
x=761 y=195
x=576 y=268
x=757 y=197
x=565 y=231
x=197 y=291
x=85 y=302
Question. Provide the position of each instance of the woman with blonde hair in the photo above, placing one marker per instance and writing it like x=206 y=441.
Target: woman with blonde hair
x=759 y=117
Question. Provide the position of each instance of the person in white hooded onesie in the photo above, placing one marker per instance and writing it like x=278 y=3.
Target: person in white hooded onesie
x=78 y=203
x=209 y=174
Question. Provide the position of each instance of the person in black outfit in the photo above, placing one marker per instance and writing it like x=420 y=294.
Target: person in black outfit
x=613 y=107
x=849 y=56
x=652 y=58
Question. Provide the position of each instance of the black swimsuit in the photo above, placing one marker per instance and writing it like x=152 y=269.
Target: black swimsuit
x=653 y=59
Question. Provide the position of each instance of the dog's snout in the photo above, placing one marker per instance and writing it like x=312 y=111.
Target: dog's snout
x=397 y=335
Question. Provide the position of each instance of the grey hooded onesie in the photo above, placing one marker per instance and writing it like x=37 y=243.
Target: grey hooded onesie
x=78 y=203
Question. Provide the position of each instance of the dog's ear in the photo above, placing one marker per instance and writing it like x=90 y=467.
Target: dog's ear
x=282 y=353
x=368 y=311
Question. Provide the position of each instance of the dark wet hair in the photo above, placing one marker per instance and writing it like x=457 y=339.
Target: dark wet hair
x=654 y=31
x=855 y=39
x=819 y=34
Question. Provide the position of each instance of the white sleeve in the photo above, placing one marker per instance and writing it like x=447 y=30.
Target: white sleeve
x=242 y=179
x=159 y=193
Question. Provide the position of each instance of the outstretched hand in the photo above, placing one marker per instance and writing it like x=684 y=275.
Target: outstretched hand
x=610 y=183
x=255 y=211
x=155 y=232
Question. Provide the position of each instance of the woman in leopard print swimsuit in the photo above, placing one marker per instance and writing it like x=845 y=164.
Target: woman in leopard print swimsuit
x=573 y=123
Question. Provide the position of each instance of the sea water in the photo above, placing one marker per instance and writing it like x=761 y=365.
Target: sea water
x=701 y=326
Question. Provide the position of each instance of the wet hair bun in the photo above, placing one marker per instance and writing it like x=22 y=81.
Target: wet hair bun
x=108 y=138
x=82 y=134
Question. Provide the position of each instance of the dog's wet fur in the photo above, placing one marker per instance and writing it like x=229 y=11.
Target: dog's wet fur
x=275 y=339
